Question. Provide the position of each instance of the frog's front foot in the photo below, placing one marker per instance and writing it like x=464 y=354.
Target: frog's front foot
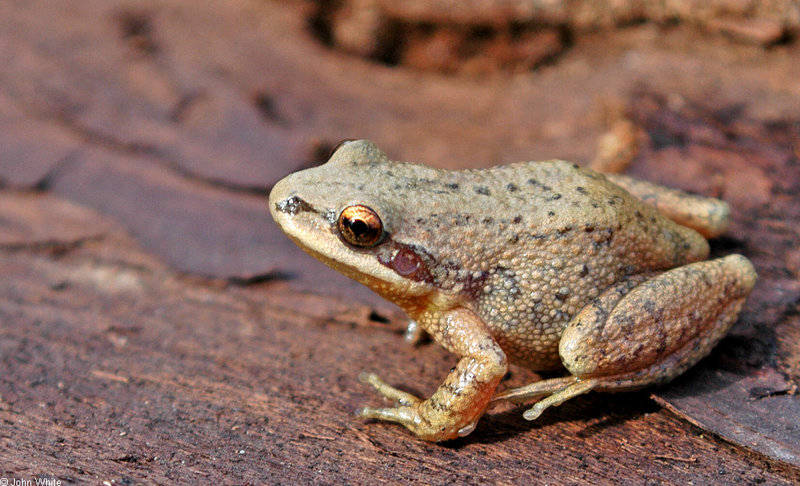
x=455 y=407
x=424 y=418
x=404 y=413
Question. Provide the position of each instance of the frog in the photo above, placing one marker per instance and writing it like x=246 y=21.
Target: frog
x=540 y=264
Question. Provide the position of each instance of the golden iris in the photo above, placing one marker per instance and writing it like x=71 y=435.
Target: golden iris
x=360 y=226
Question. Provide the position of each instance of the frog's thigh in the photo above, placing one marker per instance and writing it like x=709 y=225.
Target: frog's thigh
x=708 y=216
x=660 y=328
x=558 y=390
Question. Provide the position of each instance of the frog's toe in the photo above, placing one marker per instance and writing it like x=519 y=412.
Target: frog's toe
x=579 y=387
x=411 y=418
x=536 y=389
x=415 y=333
x=398 y=396
x=404 y=415
x=555 y=392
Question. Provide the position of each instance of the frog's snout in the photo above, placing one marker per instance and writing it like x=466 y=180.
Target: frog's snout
x=283 y=202
x=292 y=211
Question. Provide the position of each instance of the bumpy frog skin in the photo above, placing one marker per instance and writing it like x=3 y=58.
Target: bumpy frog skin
x=540 y=264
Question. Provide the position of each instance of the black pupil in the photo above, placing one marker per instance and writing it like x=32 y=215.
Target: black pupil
x=358 y=227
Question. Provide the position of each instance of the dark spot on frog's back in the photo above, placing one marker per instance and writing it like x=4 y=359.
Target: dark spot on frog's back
x=535 y=183
x=293 y=205
x=512 y=187
x=482 y=190
x=603 y=237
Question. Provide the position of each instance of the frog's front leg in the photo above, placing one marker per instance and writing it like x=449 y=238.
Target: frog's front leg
x=645 y=331
x=454 y=409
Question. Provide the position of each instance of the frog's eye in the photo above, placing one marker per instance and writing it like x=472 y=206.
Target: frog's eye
x=360 y=226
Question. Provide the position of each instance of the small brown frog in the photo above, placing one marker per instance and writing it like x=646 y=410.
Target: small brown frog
x=540 y=264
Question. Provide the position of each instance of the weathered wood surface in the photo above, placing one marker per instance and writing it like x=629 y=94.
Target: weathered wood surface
x=156 y=327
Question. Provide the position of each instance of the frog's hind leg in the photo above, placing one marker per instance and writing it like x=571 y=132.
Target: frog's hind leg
x=638 y=334
x=706 y=215
x=558 y=390
x=555 y=392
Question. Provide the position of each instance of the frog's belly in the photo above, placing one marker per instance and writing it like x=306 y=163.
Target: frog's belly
x=536 y=351
x=529 y=329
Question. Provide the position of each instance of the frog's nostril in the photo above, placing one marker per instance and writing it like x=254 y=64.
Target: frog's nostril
x=293 y=205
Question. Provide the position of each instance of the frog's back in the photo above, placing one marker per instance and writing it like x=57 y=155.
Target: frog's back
x=552 y=193
x=547 y=195
x=532 y=211
x=524 y=203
